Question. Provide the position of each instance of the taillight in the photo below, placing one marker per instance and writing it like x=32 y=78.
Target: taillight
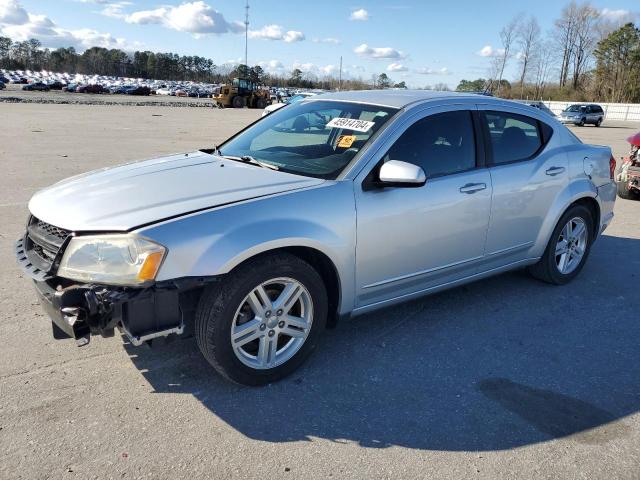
x=612 y=167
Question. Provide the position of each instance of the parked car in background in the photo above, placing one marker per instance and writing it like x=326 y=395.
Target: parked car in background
x=252 y=245
x=37 y=86
x=583 y=114
x=90 y=89
x=55 y=85
x=296 y=98
x=138 y=90
x=539 y=105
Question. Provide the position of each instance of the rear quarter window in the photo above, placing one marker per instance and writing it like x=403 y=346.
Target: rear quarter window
x=513 y=137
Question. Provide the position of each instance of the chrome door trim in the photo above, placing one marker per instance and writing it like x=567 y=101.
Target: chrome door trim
x=521 y=246
x=476 y=276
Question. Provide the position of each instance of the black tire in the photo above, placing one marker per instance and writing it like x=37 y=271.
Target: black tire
x=599 y=122
x=238 y=102
x=261 y=104
x=219 y=303
x=623 y=191
x=546 y=269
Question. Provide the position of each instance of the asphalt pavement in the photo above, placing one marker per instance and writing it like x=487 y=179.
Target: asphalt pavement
x=504 y=378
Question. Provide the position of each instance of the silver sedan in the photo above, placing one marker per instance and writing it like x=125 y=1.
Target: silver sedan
x=332 y=207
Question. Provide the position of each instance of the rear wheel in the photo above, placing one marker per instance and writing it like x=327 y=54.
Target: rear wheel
x=263 y=321
x=568 y=248
x=623 y=191
x=238 y=102
x=599 y=122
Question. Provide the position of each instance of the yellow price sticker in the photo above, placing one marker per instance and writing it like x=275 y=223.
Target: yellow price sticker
x=345 y=141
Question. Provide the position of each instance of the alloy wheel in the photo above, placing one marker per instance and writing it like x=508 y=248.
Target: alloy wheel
x=272 y=323
x=571 y=245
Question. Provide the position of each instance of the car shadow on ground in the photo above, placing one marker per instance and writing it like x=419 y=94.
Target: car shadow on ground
x=497 y=364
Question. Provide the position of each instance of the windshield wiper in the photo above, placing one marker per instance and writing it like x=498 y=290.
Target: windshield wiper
x=252 y=161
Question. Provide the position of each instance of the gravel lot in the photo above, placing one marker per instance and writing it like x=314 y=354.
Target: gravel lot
x=505 y=378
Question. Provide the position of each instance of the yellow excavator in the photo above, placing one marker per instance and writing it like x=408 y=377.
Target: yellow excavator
x=241 y=93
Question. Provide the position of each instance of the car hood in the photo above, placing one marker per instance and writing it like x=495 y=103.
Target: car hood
x=125 y=197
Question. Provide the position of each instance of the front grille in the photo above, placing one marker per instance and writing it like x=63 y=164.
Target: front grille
x=57 y=232
x=43 y=244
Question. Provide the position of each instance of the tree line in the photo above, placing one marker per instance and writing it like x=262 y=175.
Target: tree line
x=30 y=55
x=584 y=57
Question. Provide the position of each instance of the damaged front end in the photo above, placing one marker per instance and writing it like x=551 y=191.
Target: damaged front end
x=79 y=310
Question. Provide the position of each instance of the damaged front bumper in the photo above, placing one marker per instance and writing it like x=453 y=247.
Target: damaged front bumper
x=80 y=311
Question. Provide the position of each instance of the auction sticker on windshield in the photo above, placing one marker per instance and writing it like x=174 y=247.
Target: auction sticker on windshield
x=351 y=124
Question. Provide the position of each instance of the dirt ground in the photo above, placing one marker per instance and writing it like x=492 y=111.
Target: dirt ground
x=504 y=378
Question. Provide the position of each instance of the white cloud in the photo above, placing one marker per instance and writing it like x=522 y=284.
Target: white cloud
x=272 y=66
x=276 y=32
x=432 y=71
x=113 y=9
x=335 y=41
x=365 y=50
x=489 y=51
x=193 y=17
x=616 y=15
x=19 y=25
x=305 y=67
x=329 y=69
x=12 y=13
x=359 y=15
x=396 y=67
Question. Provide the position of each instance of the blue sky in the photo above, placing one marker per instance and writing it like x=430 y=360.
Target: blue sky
x=420 y=42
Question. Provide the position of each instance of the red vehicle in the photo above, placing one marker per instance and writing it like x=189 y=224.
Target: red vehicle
x=628 y=172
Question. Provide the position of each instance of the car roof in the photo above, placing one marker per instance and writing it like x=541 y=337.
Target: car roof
x=399 y=98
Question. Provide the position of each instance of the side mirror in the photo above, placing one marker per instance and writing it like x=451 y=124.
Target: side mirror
x=395 y=173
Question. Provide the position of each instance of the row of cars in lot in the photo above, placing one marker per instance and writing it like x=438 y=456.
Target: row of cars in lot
x=45 y=81
x=78 y=83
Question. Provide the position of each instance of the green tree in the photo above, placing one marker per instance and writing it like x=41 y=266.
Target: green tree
x=617 y=74
x=5 y=48
x=256 y=74
x=478 y=85
x=383 y=81
x=296 y=78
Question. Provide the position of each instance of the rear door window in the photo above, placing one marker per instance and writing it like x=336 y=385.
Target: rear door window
x=513 y=137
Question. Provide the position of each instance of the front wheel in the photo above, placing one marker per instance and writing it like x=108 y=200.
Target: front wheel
x=599 y=122
x=568 y=248
x=263 y=320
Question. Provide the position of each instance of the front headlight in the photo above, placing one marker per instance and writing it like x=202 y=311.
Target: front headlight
x=111 y=259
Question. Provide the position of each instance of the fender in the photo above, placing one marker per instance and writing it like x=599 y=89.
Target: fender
x=221 y=239
x=574 y=191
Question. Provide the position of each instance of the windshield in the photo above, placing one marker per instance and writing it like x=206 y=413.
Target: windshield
x=297 y=98
x=316 y=138
x=575 y=108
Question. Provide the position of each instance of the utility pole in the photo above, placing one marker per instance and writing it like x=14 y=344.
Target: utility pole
x=340 y=77
x=246 y=34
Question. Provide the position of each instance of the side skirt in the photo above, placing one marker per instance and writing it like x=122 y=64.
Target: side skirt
x=445 y=286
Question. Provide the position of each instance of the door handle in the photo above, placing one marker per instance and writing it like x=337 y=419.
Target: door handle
x=470 y=188
x=553 y=171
